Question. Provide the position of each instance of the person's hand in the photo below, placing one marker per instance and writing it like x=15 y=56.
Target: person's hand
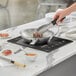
x=61 y=14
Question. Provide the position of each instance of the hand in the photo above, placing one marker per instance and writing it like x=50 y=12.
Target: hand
x=61 y=14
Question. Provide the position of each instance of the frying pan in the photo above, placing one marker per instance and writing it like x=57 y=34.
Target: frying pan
x=48 y=34
x=27 y=35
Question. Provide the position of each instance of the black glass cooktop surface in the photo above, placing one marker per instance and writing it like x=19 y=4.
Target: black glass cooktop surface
x=53 y=44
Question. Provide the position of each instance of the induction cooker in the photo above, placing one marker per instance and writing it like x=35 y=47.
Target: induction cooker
x=53 y=44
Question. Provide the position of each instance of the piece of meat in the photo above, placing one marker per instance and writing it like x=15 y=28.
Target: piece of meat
x=37 y=35
x=30 y=54
x=4 y=35
x=7 y=52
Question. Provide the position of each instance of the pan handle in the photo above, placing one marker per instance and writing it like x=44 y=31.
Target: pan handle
x=54 y=21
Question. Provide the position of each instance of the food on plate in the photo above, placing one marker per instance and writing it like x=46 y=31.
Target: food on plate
x=37 y=35
x=7 y=52
x=30 y=54
x=4 y=35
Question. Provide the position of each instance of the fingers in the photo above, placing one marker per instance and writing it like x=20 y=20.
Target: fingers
x=59 y=19
x=56 y=16
x=59 y=16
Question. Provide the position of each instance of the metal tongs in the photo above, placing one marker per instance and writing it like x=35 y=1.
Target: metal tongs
x=43 y=29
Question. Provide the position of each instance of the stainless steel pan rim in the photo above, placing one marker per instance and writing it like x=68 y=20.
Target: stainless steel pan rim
x=28 y=34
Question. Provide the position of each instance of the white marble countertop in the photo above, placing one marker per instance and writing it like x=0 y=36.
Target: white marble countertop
x=32 y=68
x=44 y=60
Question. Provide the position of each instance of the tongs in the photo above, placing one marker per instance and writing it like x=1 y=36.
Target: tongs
x=43 y=29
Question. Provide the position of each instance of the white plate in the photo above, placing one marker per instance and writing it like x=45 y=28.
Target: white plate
x=71 y=34
x=5 y=33
x=19 y=57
